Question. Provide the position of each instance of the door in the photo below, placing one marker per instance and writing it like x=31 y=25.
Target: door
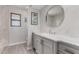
x=18 y=34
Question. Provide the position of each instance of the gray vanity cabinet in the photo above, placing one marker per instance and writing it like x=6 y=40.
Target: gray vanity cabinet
x=43 y=45
x=66 y=48
x=49 y=46
x=37 y=44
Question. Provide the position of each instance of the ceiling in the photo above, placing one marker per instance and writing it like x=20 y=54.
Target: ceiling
x=32 y=6
x=38 y=6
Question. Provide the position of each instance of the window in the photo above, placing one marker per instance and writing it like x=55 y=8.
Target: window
x=34 y=18
x=15 y=20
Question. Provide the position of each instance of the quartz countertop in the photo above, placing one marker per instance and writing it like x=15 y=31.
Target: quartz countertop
x=59 y=37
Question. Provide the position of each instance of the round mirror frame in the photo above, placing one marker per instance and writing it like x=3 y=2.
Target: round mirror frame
x=62 y=12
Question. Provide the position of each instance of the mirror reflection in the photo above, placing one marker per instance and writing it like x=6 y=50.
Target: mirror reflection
x=55 y=16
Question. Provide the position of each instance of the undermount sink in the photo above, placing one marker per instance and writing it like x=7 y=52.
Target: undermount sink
x=59 y=36
x=56 y=36
x=47 y=34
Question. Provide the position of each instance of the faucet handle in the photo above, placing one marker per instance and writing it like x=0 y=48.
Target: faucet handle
x=51 y=32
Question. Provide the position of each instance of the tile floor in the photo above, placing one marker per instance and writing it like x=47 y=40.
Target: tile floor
x=17 y=49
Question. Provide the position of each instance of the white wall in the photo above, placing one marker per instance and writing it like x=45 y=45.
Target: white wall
x=32 y=28
x=71 y=22
x=70 y=25
x=4 y=22
x=17 y=34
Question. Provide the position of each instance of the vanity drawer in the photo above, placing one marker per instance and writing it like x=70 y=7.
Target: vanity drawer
x=47 y=50
x=61 y=52
x=47 y=42
x=68 y=48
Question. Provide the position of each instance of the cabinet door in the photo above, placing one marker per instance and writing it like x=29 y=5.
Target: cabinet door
x=67 y=48
x=49 y=46
x=47 y=50
x=37 y=43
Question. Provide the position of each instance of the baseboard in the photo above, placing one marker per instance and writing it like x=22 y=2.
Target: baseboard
x=16 y=43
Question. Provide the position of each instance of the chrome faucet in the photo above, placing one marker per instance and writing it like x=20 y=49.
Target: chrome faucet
x=50 y=32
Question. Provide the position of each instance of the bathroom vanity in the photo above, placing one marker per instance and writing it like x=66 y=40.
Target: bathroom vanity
x=66 y=48
x=54 y=41
x=44 y=44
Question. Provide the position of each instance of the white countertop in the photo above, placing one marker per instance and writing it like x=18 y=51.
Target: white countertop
x=64 y=38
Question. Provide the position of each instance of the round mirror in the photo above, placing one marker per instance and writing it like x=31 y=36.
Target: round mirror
x=55 y=16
